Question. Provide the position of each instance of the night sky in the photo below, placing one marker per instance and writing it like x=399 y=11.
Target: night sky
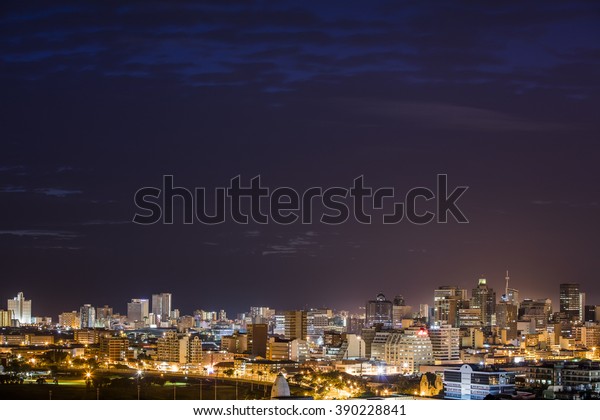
x=99 y=99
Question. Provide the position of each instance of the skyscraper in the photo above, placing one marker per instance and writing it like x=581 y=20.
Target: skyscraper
x=161 y=306
x=296 y=325
x=379 y=312
x=484 y=298
x=137 y=310
x=447 y=301
x=20 y=309
x=87 y=316
x=570 y=301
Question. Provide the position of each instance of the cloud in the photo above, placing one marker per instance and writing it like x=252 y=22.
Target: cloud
x=57 y=192
x=105 y=222
x=12 y=189
x=59 y=234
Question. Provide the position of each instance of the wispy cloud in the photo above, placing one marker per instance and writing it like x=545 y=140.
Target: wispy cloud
x=105 y=222
x=12 y=189
x=61 y=234
x=57 y=192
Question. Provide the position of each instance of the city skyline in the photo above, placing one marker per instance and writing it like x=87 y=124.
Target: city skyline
x=557 y=304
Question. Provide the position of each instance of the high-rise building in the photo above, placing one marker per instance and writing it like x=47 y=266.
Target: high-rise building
x=409 y=349
x=296 y=325
x=447 y=302
x=20 y=309
x=379 y=312
x=484 y=298
x=445 y=342
x=590 y=313
x=539 y=310
x=5 y=318
x=103 y=316
x=167 y=347
x=570 y=301
x=161 y=306
x=257 y=339
x=69 y=320
x=506 y=320
x=87 y=316
x=137 y=310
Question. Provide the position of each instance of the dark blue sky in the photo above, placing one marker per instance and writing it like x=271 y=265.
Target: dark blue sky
x=102 y=98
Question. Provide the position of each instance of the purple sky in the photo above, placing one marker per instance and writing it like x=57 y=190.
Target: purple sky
x=99 y=100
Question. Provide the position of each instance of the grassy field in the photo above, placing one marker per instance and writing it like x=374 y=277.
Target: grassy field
x=70 y=389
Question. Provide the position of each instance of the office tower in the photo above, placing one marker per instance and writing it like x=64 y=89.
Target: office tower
x=445 y=342
x=400 y=311
x=506 y=320
x=137 y=310
x=87 y=316
x=409 y=349
x=424 y=312
x=581 y=305
x=539 y=310
x=447 y=301
x=296 y=325
x=257 y=339
x=590 y=313
x=379 y=312
x=570 y=301
x=261 y=314
x=20 y=309
x=104 y=316
x=161 y=306
x=318 y=320
x=484 y=298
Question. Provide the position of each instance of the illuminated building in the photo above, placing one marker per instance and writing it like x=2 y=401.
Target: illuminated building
x=472 y=382
x=570 y=301
x=539 y=310
x=484 y=298
x=378 y=312
x=296 y=325
x=399 y=311
x=585 y=373
x=447 y=301
x=236 y=343
x=278 y=349
x=5 y=318
x=506 y=320
x=469 y=318
x=69 y=319
x=20 y=309
x=161 y=306
x=175 y=349
x=409 y=349
x=445 y=342
x=113 y=348
x=137 y=310
x=87 y=316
